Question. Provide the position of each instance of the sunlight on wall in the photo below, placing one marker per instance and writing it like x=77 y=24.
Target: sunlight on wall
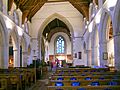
x=111 y=3
x=8 y=24
x=98 y=17
x=90 y=26
x=20 y=31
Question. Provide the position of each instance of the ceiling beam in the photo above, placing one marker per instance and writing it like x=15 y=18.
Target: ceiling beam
x=35 y=9
x=24 y=15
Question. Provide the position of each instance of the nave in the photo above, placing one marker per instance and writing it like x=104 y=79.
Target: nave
x=59 y=44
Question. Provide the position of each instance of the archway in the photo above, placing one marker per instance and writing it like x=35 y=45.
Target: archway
x=15 y=48
x=106 y=41
x=116 y=31
x=47 y=21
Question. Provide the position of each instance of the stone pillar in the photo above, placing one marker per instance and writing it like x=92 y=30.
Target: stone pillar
x=94 y=56
x=117 y=51
x=4 y=57
x=103 y=48
x=16 y=58
x=35 y=47
x=89 y=57
x=24 y=59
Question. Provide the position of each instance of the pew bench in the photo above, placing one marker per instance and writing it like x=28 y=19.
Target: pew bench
x=89 y=77
x=117 y=87
x=83 y=82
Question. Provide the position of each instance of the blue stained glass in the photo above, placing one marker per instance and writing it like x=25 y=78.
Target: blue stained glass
x=60 y=44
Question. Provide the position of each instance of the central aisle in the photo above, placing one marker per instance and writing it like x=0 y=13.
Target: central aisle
x=41 y=84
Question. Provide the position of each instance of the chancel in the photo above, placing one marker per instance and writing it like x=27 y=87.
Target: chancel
x=59 y=44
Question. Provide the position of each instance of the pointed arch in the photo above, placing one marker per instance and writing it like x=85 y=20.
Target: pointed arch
x=116 y=31
x=16 y=47
x=51 y=18
x=104 y=33
x=47 y=21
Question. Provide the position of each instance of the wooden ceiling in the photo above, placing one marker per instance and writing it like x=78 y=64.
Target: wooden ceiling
x=30 y=7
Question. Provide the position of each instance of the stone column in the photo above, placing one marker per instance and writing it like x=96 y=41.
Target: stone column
x=24 y=59
x=35 y=47
x=117 y=51
x=103 y=48
x=94 y=56
x=16 y=58
x=89 y=55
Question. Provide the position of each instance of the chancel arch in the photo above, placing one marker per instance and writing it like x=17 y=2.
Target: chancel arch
x=56 y=18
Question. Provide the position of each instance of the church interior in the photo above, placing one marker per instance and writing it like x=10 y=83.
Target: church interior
x=59 y=44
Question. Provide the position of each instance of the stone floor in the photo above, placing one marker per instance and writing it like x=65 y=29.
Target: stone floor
x=41 y=84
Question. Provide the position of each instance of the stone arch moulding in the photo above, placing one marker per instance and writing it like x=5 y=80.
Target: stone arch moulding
x=15 y=37
x=104 y=18
x=5 y=43
x=52 y=17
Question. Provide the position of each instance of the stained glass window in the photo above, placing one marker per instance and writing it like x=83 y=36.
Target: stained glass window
x=60 y=45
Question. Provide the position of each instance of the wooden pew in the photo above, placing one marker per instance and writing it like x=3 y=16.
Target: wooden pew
x=117 y=87
x=18 y=77
x=3 y=84
x=92 y=77
x=84 y=73
x=82 y=70
x=84 y=82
